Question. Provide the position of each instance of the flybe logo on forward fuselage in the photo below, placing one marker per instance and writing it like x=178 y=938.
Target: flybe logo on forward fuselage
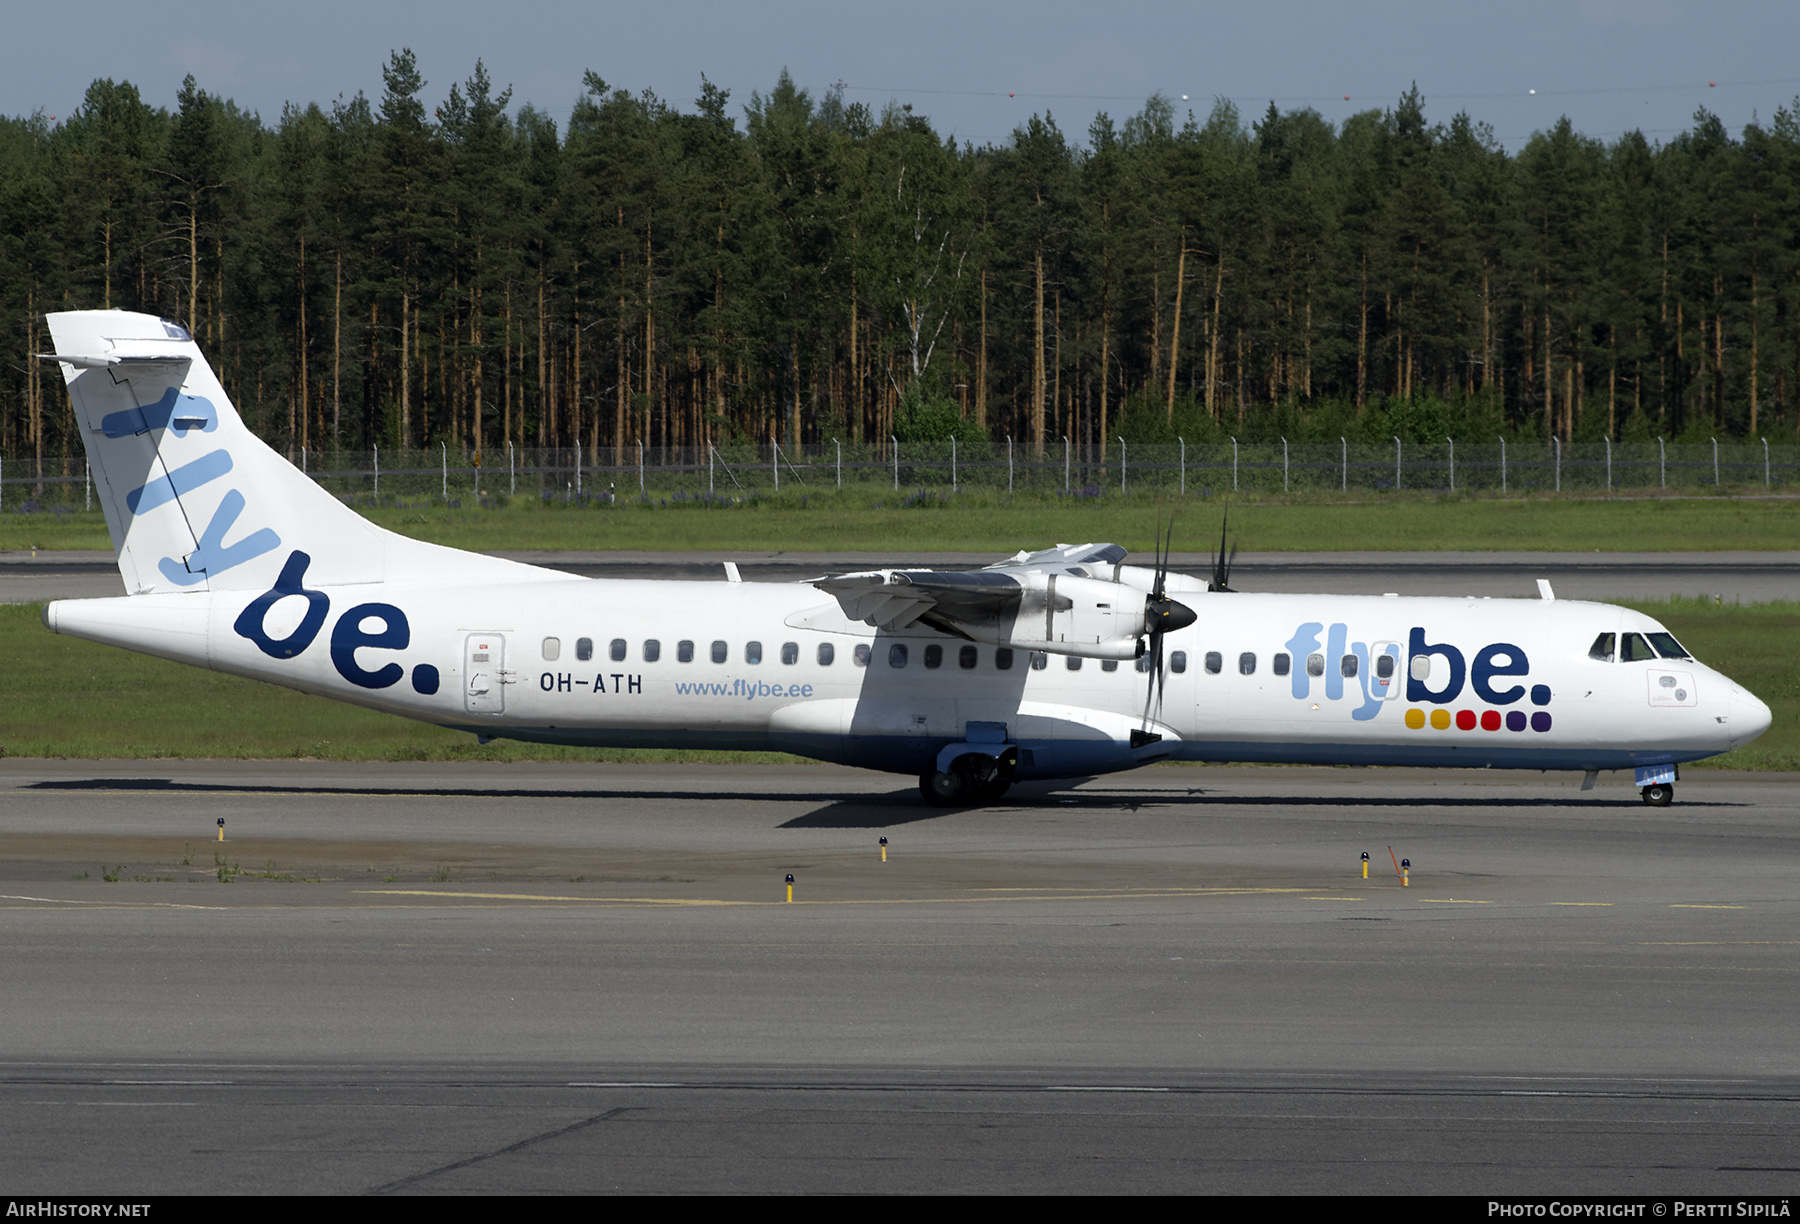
x=1436 y=674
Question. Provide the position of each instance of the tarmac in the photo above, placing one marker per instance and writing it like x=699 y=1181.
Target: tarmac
x=482 y=978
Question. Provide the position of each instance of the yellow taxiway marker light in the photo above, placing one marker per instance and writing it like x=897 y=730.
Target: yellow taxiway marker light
x=790 y=884
x=221 y=828
x=1405 y=873
x=884 y=849
x=1365 y=864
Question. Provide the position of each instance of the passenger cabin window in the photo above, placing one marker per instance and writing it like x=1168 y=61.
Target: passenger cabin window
x=1634 y=649
x=652 y=650
x=967 y=658
x=897 y=655
x=1668 y=647
x=684 y=652
x=1602 y=649
x=1384 y=667
x=827 y=654
x=860 y=656
x=1421 y=667
x=552 y=649
x=1178 y=662
x=1347 y=666
x=934 y=657
x=720 y=651
x=1215 y=663
x=753 y=652
x=584 y=649
x=1072 y=662
x=618 y=650
x=1003 y=658
x=1144 y=664
x=1109 y=665
x=790 y=653
x=1039 y=660
x=1315 y=665
x=1247 y=663
x=1279 y=664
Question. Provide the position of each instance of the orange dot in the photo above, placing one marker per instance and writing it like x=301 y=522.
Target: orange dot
x=1441 y=719
x=1415 y=719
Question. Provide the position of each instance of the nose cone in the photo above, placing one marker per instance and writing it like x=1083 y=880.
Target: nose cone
x=1167 y=616
x=1749 y=717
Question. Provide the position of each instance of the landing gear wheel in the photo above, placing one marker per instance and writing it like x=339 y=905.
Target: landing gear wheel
x=945 y=789
x=1659 y=794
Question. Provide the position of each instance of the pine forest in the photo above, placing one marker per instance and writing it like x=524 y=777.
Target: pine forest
x=444 y=269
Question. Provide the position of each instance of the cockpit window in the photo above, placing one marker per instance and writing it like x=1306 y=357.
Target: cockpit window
x=1602 y=649
x=1668 y=647
x=1634 y=649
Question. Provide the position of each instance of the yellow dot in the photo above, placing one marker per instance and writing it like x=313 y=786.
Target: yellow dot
x=1415 y=719
x=1441 y=719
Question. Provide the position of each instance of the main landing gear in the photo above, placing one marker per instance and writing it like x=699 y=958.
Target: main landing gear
x=970 y=780
x=1659 y=794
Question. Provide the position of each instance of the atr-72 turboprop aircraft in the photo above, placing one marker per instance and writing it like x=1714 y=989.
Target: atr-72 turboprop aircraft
x=1054 y=664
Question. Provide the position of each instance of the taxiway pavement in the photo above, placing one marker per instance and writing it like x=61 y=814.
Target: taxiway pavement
x=437 y=978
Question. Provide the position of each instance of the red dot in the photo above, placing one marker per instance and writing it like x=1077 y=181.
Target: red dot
x=1490 y=720
x=1465 y=720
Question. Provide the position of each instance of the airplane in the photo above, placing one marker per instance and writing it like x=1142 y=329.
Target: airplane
x=1054 y=664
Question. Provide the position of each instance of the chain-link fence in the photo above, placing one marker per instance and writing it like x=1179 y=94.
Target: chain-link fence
x=736 y=470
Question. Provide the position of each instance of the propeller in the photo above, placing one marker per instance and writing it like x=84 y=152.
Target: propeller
x=1162 y=615
x=1221 y=575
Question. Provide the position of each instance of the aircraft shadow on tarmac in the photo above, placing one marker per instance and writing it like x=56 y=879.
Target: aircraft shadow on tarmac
x=901 y=806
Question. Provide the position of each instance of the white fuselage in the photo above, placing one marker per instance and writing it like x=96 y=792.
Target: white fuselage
x=1368 y=680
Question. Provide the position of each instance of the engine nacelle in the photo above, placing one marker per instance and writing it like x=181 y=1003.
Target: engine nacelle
x=1062 y=614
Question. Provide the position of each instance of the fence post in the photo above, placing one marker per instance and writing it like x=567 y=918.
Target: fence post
x=1765 y=443
x=1234 y=487
x=1284 y=466
x=1345 y=443
x=1396 y=465
x=87 y=473
x=578 y=467
x=1183 y=442
x=378 y=471
x=1065 y=463
x=445 y=448
x=840 y=461
x=1121 y=464
x=1662 y=462
x=896 y=442
x=1715 y=443
x=1452 y=442
x=302 y=460
x=1609 y=465
x=640 y=446
x=709 y=467
x=1558 y=442
x=1502 y=438
x=1009 y=470
x=953 y=463
x=775 y=461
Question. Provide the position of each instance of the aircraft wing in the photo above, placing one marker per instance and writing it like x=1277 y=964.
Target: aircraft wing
x=1071 y=599
x=898 y=599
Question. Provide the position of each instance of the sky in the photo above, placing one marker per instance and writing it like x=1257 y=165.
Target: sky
x=977 y=70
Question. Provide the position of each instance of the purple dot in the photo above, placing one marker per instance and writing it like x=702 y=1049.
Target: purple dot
x=1515 y=720
x=1540 y=721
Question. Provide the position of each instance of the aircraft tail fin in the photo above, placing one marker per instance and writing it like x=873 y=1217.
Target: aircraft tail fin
x=194 y=501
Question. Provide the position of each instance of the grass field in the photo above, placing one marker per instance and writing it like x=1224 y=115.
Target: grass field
x=993 y=523
x=69 y=698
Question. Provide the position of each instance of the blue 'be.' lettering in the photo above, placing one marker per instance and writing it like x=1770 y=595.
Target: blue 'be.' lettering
x=348 y=636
